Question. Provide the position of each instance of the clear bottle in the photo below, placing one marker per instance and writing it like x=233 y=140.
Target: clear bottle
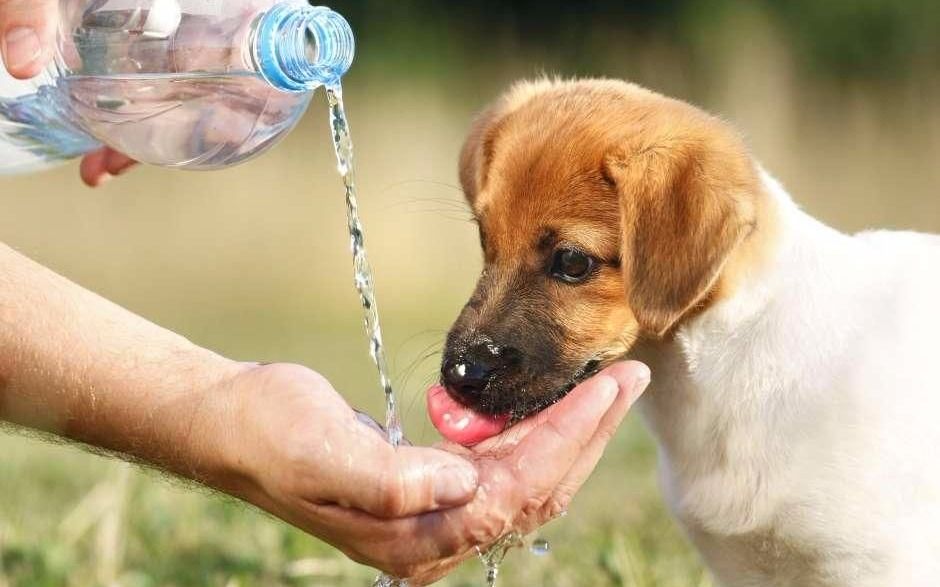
x=195 y=84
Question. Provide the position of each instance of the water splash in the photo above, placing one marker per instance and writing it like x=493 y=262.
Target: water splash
x=540 y=547
x=492 y=558
x=386 y=581
x=342 y=141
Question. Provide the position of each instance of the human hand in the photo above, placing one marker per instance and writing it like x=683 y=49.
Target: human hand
x=27 y=44
x=306 y=458
x=299 y=451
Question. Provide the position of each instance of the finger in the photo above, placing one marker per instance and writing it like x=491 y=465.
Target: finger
x=94 y=168
x=405 y=547
x=402 y=547
x=633 y=379
x=27 y=35
x=545 y=456
x=100 y=166
x=511 y=438
x=436 y=572
x=117 y=163
x=394 y=483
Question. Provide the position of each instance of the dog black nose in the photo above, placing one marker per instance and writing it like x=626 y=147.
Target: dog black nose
x=469 y=375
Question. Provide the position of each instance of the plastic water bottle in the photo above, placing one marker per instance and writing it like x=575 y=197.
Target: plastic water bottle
x=196 y=84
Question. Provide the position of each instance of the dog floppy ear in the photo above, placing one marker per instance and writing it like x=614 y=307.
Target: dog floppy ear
x=685 y=207
x=480 y=146
x=477 y=152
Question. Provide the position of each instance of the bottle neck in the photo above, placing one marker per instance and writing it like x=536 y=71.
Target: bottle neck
x=298 y=47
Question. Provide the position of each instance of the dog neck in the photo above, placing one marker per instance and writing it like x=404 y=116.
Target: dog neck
x=787 y=249
x=787 y=270
x=736 y=375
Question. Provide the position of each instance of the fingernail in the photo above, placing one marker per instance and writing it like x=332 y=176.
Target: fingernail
x=21 y=47
x=642 y=382
x=607 y=387
x=454 y=485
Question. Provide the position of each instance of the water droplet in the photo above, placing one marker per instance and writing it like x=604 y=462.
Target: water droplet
x=540 y=547
x=395 y=436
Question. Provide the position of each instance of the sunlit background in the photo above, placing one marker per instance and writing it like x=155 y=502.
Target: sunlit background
x=838 y=99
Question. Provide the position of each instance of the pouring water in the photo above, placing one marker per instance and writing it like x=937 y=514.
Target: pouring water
x=365 y=284
x=493 y=557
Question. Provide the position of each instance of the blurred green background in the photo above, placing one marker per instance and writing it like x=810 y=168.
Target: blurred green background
x=838 y=99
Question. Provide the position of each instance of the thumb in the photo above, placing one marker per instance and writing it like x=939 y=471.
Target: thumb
x=396 y=483
x=27 y=35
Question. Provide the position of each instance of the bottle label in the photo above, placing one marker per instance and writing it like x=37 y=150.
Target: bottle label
x=196 y=7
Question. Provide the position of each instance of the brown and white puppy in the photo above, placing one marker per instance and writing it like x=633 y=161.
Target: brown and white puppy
x=606 y=214
x=616 y=221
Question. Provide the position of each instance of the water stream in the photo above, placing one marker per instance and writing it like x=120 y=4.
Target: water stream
x=365 y=284
x=492 y=558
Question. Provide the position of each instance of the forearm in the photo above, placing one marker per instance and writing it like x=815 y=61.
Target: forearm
x=75 y=365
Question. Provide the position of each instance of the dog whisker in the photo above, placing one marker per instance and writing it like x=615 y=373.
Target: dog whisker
x=433 y=182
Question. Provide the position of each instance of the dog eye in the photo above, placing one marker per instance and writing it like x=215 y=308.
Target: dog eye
x=572 y=266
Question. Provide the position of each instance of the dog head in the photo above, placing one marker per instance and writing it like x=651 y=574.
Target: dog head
x=607 y=213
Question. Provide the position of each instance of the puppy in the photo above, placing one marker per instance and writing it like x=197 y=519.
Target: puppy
x=795 y=388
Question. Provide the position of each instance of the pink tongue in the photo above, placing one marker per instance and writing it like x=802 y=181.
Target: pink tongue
x=458 y=423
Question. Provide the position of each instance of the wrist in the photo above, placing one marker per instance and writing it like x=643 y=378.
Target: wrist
x=76 y=365
x=216 y=448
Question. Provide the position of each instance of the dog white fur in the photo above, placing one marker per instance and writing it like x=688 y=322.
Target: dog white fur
x=797 y=420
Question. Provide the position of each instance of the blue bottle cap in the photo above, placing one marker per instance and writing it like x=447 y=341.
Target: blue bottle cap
x=301 y=47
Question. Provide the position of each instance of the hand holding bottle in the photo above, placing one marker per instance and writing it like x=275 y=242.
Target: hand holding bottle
x=27 y=41
x=195 y=84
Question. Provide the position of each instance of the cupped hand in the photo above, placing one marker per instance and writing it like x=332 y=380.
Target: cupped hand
x=414 y=512
x=27 y=44
x=298 y=450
